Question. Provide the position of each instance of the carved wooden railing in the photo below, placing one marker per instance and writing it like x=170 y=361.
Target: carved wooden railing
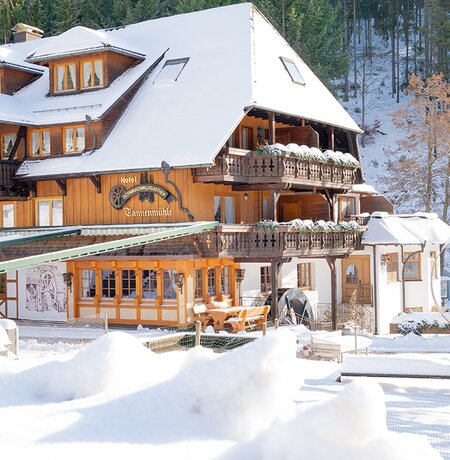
x=242 y=241
x=8 y=186
x=243 y=166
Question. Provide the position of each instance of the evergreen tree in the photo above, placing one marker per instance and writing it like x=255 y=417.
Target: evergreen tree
x=67 y=15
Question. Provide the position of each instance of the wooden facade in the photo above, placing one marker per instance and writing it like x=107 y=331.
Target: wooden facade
x=240 y=189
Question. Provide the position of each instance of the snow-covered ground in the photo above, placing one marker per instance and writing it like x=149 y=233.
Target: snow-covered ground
x=115 y=398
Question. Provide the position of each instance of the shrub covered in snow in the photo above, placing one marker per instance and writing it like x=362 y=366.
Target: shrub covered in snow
x=303 y=152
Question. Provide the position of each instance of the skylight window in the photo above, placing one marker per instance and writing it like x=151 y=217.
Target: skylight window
x=171 y=71
x=293 y=71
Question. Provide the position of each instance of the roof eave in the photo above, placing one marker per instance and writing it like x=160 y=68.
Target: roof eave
x=356 y=130
x=95 y=49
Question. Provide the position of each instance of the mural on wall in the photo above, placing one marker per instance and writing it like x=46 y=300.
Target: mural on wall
x=45 y=290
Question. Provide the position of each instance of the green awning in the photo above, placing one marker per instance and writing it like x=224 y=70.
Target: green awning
x=98 y=248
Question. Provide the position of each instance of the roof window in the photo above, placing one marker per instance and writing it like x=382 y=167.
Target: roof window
x=171 y=71
x=293 y=71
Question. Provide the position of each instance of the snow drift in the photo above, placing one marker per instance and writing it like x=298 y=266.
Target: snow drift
x=350 y=427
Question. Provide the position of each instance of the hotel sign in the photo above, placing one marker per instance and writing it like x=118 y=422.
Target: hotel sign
x=146 y=190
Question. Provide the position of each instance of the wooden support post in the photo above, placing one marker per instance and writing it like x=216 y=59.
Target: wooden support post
x=20 y=135
x=332 y=264
x=331 y=145
x=198 y=329
x=275 y=269
x=264 y=328
x=273 y=202
x=276 y=323
x=272 y=137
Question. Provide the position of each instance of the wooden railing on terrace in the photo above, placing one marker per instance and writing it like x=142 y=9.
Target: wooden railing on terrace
x=243 y=241
x=248 y=167
x=9 y=187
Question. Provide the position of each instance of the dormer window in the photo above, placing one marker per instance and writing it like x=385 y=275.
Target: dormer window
x=92 y=74
x=65 y=78
x=40 y=142
x=74 y=139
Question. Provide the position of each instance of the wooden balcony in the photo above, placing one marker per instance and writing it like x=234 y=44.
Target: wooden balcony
x=8 y=186
x=236 y=166
x=245 y=242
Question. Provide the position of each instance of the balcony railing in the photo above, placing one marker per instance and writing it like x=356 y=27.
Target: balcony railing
x=247 y=167
x=245 y=242
x=8 y=186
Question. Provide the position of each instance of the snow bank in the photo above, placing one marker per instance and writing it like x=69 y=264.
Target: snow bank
x=411 y=343
x=4 y=339
x=352 y=426
x=397 y=365
x=116 y=362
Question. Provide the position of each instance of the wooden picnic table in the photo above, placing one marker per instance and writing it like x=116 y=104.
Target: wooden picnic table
x=220 y=315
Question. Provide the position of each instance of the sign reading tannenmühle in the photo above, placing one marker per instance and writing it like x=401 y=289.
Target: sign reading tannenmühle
x=119 y=194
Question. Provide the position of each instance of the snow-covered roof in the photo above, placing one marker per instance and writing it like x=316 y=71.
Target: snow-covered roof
x=418 y=228
x=365 y=189
x=80 y=40
x=234 y=65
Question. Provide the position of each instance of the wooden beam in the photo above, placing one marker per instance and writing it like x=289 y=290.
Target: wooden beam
x=33 y=189
x=331 y=144
x=332 y=264
x=20 y=135
x=62 y=186
x=272 y=136
x=96 y=180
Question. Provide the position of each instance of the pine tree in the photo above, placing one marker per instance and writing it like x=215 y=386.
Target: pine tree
x=67 y=15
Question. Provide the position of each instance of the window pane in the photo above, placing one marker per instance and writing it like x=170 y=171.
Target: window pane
x=217 y=209
x=128 y=284
x=69 y=140
x=293 y=71
x=351 y=274
x=225 y=283
x=8 y=215
x=60 y=71
x=149 y=284
x=80 y=140
x=43 y=213
x=46 y=142
x=87 y=75
x=229 y=210
x=108 y=283
x=8 y=144
x=35 y=143
x=212 y=281
x=198 y=284
x=169 y=288
x=71 y=77
x=57 y=212
x=87 y=283
x=98 y=73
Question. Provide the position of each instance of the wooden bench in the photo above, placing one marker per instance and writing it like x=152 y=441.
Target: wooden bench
x=201 y=314
x=249 y=317
x=335 y=345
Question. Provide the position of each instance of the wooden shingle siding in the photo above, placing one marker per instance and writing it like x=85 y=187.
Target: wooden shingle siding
x=11 y=80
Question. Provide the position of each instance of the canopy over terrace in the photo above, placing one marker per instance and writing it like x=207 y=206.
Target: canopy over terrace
x=405 y=229
x=68 y=243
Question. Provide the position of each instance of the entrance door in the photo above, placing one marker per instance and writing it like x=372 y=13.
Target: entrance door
x=355 y=269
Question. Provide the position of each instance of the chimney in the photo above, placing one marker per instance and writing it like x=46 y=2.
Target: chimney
x=25 y=33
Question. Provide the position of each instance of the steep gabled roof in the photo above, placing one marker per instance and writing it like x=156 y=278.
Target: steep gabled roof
x=232 y=63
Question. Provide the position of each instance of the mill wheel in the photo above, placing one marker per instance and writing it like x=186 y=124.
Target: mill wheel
x=116 y=196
